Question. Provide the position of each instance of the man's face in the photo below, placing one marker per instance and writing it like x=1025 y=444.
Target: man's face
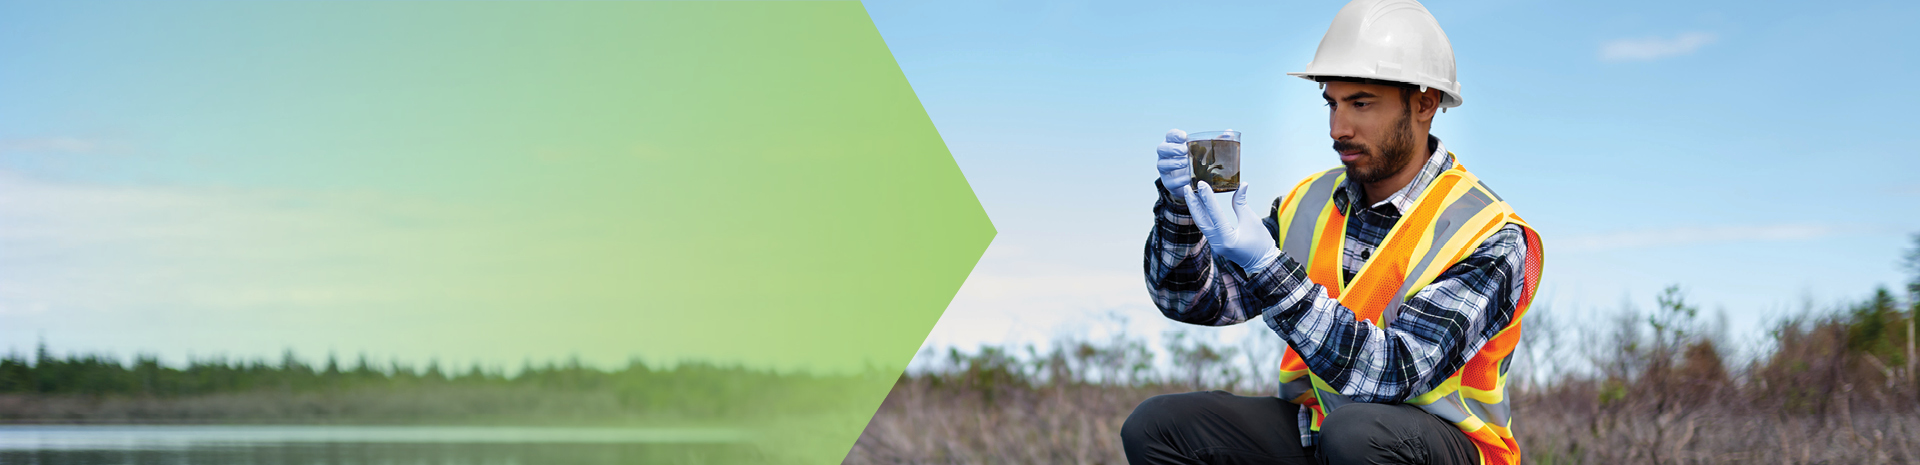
x=1372 y=128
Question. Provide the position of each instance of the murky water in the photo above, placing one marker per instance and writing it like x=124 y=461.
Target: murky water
x=318 y=445
x=1216 y=161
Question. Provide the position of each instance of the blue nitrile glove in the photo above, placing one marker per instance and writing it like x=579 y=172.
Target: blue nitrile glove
x=1234 y=234
x=1176 y=172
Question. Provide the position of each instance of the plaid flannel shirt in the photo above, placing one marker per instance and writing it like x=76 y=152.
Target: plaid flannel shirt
x=1437 y=330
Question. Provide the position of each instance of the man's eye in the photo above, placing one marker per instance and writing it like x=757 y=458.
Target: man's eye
x=1359 y=104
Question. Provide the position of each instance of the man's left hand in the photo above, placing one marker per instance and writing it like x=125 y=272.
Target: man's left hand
x=1235 y=233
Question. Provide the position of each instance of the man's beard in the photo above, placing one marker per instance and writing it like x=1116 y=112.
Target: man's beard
x=1392 y=156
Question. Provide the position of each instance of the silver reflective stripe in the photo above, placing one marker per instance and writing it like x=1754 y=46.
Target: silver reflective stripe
x=1330 y=401
x=1479 y=410
x=1293 y=389
x=1447 y=408
x=1496 y=195
x=1498 y=412
x=1502 y=414
x=1495 y=413
x=1299 y=241
x=1450 y=222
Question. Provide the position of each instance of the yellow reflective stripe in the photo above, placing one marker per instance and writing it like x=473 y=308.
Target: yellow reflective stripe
x=1322 y=192
x=1448 y=408
x=1457 y=246
x=1296 y=390
x=1483 y=186
x=1322 y=384
x=1494 y=396
x=1329 y=397
x=1442 y=243
x=1515 y=218
x=1446 y=387
x=1320 y=230
x=1330 y=401
x=1421 y=242
x=1470 y=424
x=1452 y=409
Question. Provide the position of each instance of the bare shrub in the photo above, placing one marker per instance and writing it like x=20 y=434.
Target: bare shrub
x=1835 y=386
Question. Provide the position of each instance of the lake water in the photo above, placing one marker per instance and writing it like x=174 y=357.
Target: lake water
x=317 y=445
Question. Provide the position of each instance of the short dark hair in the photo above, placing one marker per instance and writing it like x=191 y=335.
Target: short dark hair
x=1407 y=91
x=1402 y=85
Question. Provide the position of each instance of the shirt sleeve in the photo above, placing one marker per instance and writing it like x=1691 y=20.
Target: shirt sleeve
x=1437 y=330
x=1185 y=279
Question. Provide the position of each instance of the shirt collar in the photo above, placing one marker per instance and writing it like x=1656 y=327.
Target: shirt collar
x=1440 y=160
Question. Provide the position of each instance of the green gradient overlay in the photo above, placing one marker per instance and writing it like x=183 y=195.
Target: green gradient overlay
x=738 y=182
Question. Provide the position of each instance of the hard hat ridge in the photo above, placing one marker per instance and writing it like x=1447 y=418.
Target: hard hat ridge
x=1387 y=40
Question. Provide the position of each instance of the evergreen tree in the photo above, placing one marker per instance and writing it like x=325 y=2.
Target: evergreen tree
x=1910 y=262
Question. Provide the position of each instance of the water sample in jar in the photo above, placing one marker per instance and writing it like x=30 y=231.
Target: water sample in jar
x=1215 y=157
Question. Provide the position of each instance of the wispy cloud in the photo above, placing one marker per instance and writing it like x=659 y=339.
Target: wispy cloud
x=1654 y=48
x=1695 y=235
x=219 y=249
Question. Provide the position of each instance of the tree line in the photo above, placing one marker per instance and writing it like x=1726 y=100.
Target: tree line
x=95 y=387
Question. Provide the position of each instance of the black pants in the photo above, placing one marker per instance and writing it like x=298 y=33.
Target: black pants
x=1218 y=427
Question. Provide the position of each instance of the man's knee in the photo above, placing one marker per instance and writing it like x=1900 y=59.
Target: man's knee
x=1158 y=413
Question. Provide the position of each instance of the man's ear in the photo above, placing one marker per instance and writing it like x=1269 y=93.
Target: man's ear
x=1427 y=104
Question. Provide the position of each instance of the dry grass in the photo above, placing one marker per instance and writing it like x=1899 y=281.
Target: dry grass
x=924 y=423
x=1835 y=387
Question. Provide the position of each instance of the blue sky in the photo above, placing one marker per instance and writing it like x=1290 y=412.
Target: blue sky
x=1758 y=154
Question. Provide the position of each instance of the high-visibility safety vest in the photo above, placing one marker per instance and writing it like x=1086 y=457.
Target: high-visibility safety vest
x=1448 y=221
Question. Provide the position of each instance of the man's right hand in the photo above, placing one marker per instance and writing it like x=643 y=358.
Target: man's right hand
x=1176 y=172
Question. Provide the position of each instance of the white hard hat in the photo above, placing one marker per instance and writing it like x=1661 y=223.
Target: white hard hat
x=1387 y=40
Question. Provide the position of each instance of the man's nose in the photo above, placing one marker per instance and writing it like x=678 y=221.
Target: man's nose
x=1338 y=127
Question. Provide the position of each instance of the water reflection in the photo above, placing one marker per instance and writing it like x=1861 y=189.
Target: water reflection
x=224 y=445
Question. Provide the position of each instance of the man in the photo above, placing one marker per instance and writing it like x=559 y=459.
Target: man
x=1398 y=281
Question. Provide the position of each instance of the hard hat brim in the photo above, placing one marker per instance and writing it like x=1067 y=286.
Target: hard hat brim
x=1452 y=97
